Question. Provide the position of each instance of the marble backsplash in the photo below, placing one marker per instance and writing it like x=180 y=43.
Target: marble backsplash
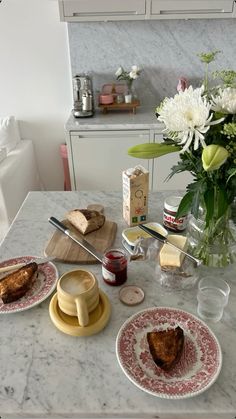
x=165 y=50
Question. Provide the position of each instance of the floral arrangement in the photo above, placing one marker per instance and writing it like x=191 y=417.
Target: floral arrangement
x=200 y=124
x=128 y=76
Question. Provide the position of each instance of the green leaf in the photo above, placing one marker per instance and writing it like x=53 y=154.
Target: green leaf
x=185 y=204
x=222 y=203
x=198 y=188
x=209 y=198
x=196 y=203
x=152 y=150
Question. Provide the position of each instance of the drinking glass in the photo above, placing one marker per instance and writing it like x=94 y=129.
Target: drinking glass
x=212 y=296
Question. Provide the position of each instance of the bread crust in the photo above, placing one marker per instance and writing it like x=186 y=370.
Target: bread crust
x=166 y=347
x=85 y=220
x=16 y=284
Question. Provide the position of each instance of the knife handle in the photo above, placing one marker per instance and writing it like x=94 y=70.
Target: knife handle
x=56 y=223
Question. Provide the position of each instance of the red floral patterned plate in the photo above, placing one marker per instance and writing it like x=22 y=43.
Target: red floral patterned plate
x=44 y=285
x=195 y=372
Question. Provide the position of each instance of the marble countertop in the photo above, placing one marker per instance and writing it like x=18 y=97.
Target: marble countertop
x=145 y=118
x=48 y=374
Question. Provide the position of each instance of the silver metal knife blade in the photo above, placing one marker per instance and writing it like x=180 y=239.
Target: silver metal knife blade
x=164 y=239
x=81 y=242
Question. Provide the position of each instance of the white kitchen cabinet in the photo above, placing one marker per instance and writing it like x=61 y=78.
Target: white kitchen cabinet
x=100 y=10
x=97 y=158
x=179 y=9
x=109 y=10
x=162 y=168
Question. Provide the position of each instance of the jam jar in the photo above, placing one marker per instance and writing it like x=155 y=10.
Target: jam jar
x=114 y=266
x=170 y=221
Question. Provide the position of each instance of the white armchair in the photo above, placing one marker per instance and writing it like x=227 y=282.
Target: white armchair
x=18 y=173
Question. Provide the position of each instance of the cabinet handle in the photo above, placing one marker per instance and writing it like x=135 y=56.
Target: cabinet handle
x=127 y=12
x=200 y=11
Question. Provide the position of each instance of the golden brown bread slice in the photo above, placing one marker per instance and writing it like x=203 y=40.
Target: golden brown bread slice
x=16 y=284
x=85 y=220
x=166 y=347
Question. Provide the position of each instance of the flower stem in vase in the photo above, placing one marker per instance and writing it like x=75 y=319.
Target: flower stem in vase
x=215 y=244
x=129 y=94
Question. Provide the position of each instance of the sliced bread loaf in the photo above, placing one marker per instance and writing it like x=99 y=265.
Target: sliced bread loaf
x=85 y=220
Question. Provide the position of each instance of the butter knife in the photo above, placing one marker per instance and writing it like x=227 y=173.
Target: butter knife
x=164 y=240
x=81 y=242
x=38 y=260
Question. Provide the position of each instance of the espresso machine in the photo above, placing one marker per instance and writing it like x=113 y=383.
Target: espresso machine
x=83 y=96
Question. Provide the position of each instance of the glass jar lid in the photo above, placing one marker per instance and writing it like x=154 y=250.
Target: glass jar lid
x=172 y=203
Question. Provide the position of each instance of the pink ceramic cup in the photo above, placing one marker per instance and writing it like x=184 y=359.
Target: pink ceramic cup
x=106 y=99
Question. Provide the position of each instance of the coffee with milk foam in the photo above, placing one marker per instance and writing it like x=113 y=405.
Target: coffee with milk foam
x=76 y=286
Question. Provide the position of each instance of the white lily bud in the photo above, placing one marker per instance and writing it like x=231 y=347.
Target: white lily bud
x=119 y=71
x=213 y=156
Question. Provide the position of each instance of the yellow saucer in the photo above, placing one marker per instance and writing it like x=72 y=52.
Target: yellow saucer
x=98 y=318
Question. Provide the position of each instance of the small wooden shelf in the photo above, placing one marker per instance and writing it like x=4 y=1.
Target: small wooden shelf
x=120 y=107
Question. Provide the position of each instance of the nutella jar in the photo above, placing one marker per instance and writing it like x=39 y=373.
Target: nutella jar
x=171 y=205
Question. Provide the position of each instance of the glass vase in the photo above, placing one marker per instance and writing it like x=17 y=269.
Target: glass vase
x=130 y=94
x=215 y=245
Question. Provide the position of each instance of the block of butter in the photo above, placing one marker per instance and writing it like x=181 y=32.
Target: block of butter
x=169 y=256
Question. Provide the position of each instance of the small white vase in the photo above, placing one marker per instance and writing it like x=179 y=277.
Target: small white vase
x=128 y=98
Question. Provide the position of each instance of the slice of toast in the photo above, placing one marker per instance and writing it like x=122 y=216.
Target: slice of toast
x=16 y=284
x=166 y=347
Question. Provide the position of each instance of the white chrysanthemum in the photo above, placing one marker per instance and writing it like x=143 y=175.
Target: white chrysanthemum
x=186 y=117
x=226 y=101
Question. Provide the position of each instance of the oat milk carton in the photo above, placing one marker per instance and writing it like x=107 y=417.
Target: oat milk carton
x=135 y=195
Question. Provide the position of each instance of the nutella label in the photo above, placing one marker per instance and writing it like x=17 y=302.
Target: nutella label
x=177 y=224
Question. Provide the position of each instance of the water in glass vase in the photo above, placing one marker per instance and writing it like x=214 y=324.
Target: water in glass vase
x=216 y=244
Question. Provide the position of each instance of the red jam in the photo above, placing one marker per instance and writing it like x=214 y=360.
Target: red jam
x=114 y=267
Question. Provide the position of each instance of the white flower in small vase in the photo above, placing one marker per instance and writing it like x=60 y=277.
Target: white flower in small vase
x=129 y=77
x=135 y=72
x=119 y=71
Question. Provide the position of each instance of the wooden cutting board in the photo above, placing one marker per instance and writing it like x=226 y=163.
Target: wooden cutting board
x=66 y=250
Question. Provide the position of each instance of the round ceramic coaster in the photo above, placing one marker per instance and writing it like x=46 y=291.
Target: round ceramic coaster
x=131 y=295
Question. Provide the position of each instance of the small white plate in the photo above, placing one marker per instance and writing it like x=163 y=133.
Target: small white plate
x=43 y=286
x=132 y=234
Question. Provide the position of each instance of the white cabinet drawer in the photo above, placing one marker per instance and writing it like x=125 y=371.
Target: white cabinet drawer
x=191 y=7
x=103 y=9
x=97 y=158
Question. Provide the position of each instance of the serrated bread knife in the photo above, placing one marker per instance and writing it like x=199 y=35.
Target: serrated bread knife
x=165 y=240
x=81 y=242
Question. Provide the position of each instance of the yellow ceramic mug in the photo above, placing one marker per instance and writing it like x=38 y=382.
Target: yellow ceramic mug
x=78 y=294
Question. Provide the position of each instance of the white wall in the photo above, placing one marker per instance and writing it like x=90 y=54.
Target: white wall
x=35 y=78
